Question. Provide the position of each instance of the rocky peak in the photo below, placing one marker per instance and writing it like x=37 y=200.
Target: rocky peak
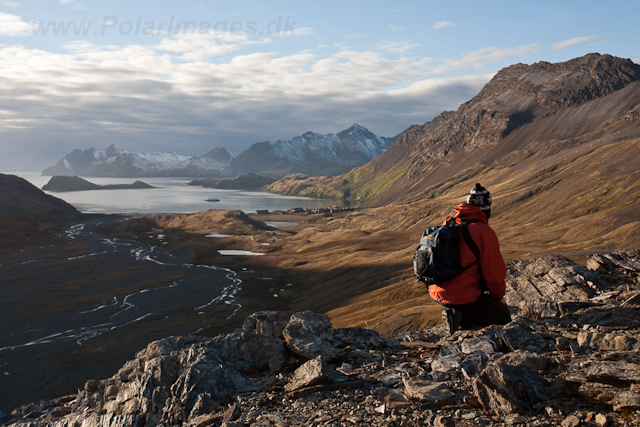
x=522 y=95
x=219 y=154
x=559 y=85
x=309 y=135
x=113 y=150
x=356 y=131
x=569 y=357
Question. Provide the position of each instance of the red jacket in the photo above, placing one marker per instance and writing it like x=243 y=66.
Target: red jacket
x=465 y=288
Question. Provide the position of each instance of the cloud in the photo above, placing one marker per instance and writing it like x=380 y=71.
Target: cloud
x=444 y=24
x=636 y=59
x=482 y=57
x=13 y=25
x=396 y=46
x=394 y=28
x=576 y=41
x=354 y=36
x=195 y=46
x=10 y=3
x=168 y=97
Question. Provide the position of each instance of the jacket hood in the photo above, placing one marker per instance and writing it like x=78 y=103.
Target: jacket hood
x=470 y=212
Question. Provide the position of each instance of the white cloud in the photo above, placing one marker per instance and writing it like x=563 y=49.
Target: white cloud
x=576 y=41
x=13 y=25
x=444 y=24
x=636 y=59
x=396 y=46
x=394 y=28
x=483 y=57
x=197 y=46
x=66 y=1
x=354 y=36
x=168 y=97
x=10 y=3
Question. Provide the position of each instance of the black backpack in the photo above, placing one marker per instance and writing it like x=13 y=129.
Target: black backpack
x=437 y=259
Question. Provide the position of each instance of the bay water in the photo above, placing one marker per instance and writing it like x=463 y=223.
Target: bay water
x=171 y=195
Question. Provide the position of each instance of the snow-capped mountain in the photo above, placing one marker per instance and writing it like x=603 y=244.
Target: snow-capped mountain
x=114 y=161
x=310 y=153
x=313 y=153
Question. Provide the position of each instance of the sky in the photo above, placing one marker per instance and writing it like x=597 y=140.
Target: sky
x=189 y=76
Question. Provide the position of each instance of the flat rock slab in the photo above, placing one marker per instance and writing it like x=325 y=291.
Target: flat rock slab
x=426 y=391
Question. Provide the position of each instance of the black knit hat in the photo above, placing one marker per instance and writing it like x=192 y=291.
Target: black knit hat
x=480 y=197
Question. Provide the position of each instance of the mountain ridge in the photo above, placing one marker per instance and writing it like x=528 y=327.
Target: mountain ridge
x=116 y=162
x=521 y=105
x=311 y=152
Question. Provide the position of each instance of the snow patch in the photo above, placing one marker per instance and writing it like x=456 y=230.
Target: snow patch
x=237 y=252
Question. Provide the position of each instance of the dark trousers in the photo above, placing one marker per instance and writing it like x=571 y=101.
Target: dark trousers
x=484 y=311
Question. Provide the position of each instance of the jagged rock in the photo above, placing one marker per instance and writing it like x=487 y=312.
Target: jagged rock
x=473 y=364
x=426 y=391
x=312 y=372
x=571 y=421
x=309 y=335
x=258 y=351
x=503 y=389
x=616 y=373
x=447 y=363
x=629 y=400
x=207 y=420
x=270 y=323
x=468 y=357
x=392 y=395
x=525 y=358
x=537 y=370
x=607 y=263
x=519 y=336
x=231 y=414
x=612 y=341
x=478 y=344
x=388 y=378
x=358 y=338
x=550 y=277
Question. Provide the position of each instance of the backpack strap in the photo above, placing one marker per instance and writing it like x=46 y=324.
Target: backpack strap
x=474 y=248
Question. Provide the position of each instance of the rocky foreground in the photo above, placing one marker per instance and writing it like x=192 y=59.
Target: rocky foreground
x=569 y=357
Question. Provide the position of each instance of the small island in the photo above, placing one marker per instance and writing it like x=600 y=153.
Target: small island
x=247 y=181
x=59 y=184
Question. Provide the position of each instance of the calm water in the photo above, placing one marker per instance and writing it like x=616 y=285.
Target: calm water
x=172 y=195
